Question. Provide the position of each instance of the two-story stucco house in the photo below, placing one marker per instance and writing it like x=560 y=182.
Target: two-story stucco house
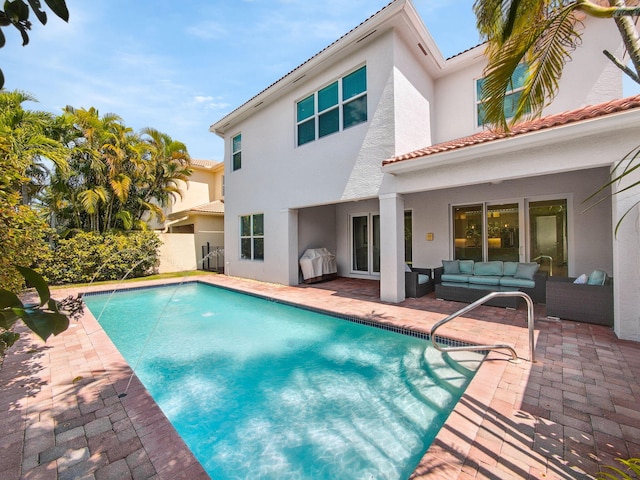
x=375 y=149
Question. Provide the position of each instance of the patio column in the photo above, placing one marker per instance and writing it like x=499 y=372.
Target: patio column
x=392 y=248
x=626 y=260
x=292 y=245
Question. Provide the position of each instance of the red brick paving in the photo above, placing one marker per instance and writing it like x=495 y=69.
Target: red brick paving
x=564 y=417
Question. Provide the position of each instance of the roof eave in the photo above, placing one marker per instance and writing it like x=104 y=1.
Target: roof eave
x=553 y=135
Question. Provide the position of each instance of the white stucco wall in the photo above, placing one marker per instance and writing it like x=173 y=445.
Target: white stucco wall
x=627 y=260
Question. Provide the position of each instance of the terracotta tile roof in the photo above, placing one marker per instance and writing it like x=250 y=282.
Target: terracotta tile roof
x=203 y=163
x=217 y=206
x=551 y=121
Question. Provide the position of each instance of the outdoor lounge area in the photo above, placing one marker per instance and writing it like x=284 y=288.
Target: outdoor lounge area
x=564 y=417
x=467 y=281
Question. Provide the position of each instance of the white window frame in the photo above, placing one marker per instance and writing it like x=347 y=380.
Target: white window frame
x=252 y=237
x=340 y=106
x=479 y=101
x=235 y=152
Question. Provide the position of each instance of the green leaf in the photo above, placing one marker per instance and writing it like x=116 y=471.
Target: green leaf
x=7 y=319
x=38 y=283
x=59 y=7
x=16 y=10
x=3 y=40
x=9 y=338
x=9 y=300
x=42 y=323
x=36 y=6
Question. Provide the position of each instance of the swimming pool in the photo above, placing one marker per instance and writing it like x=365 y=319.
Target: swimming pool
x=272 y=391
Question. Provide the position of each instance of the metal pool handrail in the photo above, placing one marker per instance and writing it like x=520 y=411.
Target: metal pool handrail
x=477 y=303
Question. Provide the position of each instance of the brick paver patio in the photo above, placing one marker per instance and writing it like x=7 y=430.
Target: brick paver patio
x=563 y=417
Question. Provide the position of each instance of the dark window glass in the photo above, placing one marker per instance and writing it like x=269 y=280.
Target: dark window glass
x=258 y=248
x=307 y=132
x=245 y=248
x=258 y=224
x=328 y=97
x=329 y=122
x=306 y=108
x=245 y=225
x=354 y=84
x=355 y=112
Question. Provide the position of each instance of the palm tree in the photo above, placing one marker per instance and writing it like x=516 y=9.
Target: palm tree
x=26 y=144
x=542 y=33
x=167 y=162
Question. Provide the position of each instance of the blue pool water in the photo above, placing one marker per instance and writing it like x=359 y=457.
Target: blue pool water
x=258 y=389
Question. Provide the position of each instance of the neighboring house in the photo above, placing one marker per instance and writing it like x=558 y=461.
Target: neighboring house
x=199 y=213
x=374 y=148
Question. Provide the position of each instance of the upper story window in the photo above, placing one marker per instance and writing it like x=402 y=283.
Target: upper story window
x=339 y=105
x=236 y=152
x=514 y=90
x=252 y=237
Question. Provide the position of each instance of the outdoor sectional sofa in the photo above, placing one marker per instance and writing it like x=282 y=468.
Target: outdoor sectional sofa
x=589 y=301
x=468 y=281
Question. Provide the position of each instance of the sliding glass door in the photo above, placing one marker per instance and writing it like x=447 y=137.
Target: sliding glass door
x=488 y=231
x=468 y=237
x=503 y=232
x=548 y=236
x=365 y=242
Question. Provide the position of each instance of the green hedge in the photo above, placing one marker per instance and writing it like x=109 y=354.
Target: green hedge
x=90 y=256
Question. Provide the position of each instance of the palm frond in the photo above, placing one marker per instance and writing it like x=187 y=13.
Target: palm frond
x=542 y=38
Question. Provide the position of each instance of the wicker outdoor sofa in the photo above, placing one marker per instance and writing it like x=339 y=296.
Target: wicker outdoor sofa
x=582 y=302
x=467 y=281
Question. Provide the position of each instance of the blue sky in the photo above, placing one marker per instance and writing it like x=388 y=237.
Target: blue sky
x=180 y=66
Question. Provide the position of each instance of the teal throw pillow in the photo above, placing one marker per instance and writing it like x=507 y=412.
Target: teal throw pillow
x=597 y=277
x=509 y=268
x=451 y=266
x=526 y=271
x=466 y=266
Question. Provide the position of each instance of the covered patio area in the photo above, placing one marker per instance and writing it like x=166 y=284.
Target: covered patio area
x=574 y=410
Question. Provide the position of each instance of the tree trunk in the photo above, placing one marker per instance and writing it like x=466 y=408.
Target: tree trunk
x=629 y=33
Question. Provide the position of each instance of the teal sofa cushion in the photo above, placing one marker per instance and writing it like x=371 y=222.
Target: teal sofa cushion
x=517 y=282
x=484 y=280
x=526 y=271
x=509 y=268
x=451 y=266
x=422 y=279
x=466 y=266
x=454 y=277
x=488 y=268
x=597 y=277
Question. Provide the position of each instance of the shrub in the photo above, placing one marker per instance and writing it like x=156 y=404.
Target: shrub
x=91 y=256
x=22 y=241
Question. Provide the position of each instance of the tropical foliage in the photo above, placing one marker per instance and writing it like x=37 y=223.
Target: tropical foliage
x=62 y=176
x=115 y=178
x=45 y=318
x=543 y=34
x=91 y=256
x=630 y=470
x=24 y=142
